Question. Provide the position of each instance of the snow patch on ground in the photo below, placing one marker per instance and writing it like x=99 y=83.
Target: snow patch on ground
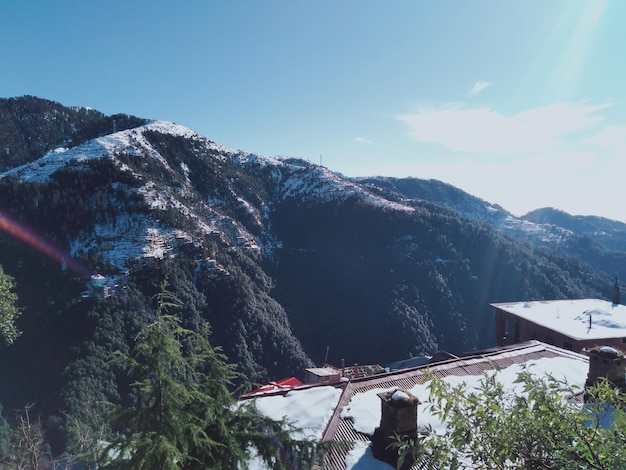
x=127 y=238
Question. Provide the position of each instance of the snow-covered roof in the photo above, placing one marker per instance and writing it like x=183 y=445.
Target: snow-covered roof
x=571 y=317
x=323 y=371
x=350 y=411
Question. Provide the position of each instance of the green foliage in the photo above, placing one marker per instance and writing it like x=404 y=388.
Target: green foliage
x=418 y=282
x=185 y=416
x=414 y=283
x=92 y=380
x=252 y=327
x=73 y=200
x=536 y=427
x=9 y=310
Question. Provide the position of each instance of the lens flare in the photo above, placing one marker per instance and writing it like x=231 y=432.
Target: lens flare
x=28 y=236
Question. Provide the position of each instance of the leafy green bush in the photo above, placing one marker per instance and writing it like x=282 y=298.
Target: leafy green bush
x=539 y=426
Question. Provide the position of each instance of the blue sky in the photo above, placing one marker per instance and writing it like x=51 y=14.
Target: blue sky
x=520 y=103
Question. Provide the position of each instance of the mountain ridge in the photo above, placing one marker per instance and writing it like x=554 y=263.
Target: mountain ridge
x=289 y=262
x=599 y=241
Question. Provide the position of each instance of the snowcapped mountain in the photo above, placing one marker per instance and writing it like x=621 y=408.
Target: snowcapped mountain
x=610 y=234
x=597 y=241
x=129 y=151
x=291 y=263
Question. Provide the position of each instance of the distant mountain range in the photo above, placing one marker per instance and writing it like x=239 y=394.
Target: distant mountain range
x=291 y=263
x=598 y=241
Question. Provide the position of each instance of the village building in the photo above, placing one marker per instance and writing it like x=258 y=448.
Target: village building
x=570 y=324
x=364 y=411
x=284 y=384
x=97 y=287
x=330 y=374
x=577 y=341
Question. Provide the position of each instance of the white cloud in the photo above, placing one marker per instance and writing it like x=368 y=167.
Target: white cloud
x=362 y=140
x=482 y=130
x=610 y=136
x=613 y=168
x=479 y=87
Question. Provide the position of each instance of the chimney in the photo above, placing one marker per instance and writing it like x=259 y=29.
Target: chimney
x=616 y=293
x=398 y=416
x=607 y=362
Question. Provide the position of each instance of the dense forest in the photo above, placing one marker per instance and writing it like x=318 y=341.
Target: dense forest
x=289 y=263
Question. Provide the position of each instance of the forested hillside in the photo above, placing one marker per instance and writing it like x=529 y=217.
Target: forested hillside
x=288 y=262
x=30 y=126
x=596 y=241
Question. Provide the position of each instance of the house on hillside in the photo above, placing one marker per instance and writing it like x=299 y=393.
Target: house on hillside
x=351 y=411
x=331 y=374
x=284 y=384
x=570 y=324
x=97 y=287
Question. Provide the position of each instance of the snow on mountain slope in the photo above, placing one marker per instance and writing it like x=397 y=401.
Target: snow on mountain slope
x=471 y=207
x=131 y=142
x=294 y=177
x=544 y=233
x=128 y=236
x=321 y=184
x=301 y=179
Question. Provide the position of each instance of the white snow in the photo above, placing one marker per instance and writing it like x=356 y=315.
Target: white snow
x=308 y=409
x=313 y=409
x=400 y=396
x=543 y=232
x=571 y=317
x=124 y=238
x=609 y=350
x=320 y=184
x=364 y=408
x=140 y=237
x=131 y=141
x=361 y=458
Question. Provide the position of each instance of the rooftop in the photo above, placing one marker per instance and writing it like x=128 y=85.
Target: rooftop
x=571 y=317
x=350 y=411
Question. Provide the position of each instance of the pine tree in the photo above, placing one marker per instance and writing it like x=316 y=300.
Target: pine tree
x=186 y=417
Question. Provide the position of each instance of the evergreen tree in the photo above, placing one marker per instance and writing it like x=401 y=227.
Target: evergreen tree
x=537 y=427
x=8 y=308
x=186 y=416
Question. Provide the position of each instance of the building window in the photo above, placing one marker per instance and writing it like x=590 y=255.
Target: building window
x=568 y=345
x=516 y=335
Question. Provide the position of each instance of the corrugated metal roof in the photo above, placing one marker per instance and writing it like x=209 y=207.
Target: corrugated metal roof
x=341 y=430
